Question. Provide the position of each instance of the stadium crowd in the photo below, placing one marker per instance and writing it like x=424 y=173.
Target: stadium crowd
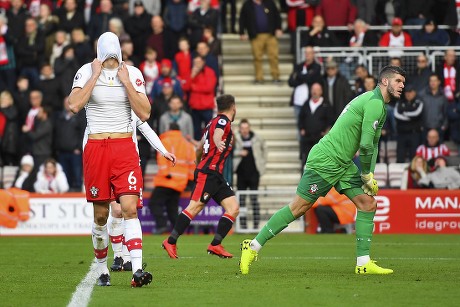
x=175 y=43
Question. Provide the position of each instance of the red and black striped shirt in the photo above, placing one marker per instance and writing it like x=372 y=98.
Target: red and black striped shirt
x=212 y=159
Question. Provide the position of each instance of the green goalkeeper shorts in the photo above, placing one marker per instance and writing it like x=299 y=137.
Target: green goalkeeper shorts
x=321 y=173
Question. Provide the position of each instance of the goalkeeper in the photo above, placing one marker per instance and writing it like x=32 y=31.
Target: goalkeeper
x=329 y=164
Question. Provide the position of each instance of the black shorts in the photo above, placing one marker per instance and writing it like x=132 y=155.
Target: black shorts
x=211 y=185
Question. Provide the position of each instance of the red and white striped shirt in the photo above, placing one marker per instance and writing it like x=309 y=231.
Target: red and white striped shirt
x=429 y=153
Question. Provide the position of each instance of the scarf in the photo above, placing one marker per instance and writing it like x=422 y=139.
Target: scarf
x=450 y=74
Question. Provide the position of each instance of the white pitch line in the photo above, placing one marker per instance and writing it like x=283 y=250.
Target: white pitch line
x=82 y=295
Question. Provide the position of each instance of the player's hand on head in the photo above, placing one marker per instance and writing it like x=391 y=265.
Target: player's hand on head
x=123 y=74
x=96 y=67
x=171 y=157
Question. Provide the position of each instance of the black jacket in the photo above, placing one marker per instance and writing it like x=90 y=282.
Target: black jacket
x=248 y=19
x=69 y=131
x=9 y=141
x=341 y=93
x=408 y=115
x=316 y=124
x=324 y=38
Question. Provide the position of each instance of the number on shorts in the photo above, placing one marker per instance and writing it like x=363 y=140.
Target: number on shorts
x=132 y=180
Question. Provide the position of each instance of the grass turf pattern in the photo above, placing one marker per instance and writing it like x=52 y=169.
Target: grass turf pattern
x=293 y=270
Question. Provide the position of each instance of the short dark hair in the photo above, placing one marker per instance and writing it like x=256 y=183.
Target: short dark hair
x=434 y=75
x=175 y=97
x=225 y=102
x=389 y=71
x=174 y=126
x=244 y=121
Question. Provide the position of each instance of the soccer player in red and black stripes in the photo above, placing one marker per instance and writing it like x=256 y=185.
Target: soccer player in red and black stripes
x=215 y=146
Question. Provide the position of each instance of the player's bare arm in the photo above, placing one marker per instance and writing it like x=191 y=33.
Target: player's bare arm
x=139 y=101
x=217 y=138
x=79 y=97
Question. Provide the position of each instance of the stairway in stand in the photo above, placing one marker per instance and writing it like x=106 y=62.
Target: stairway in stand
x=266 y=106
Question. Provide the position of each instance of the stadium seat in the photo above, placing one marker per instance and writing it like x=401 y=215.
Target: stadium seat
x=381 y=174
x=396 y=171
x=8 y=174
x=387 y=152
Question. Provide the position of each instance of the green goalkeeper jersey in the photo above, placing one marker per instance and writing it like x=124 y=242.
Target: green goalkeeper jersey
x=358 y=128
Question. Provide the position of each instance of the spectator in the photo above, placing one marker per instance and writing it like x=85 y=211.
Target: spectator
x=48 y=25
x=315 y=119
x=202 y=87
x=160 y=103
x=50 y=178
x=367 y=11
x=7 y=59
x=411 y=177
x=68 y=135
x=319 y=35
x=60 y=41
x=51 y=88
x=17 y=15
x=152 y=7
x=209 y=37
x=150 y=69
x=202 y=50
x=26 y=174
x=262 y=22
x=41 y=136
x=361 y=37
x=166 y=76
x=420 y=77
x=334 y=208
x=30 y=51
x=223 y=14
x=99 y=22
x=183 y=59
x=176 y=114
x=361 y=73
x=369 y=83
x=442 y=177
x=453 y=114
x=300 y=14
x=415 y=12
x=71 y=17
x=138 y=27
x=201 y=18
x=116 y=26
x=66 y=67
x=21 y=98
x=84 y=51
x=430 y=35
x=433 y=148
x=434 y=114
x=127 y=52
x=336 y=88
x=396 y=38
x=249 y=159
x=171 y=181
x=301 y=79
x=193 y=5
x=157 y=39
x=408 y=114
x=338 y=13
x=175 y=18
x=449 y=74
x=9 y=137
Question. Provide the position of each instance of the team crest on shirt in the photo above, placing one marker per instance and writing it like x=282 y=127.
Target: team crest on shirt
x=205 y=196
x=138 y=82
x=313 y=188
x=94 y=191
x=375 y=124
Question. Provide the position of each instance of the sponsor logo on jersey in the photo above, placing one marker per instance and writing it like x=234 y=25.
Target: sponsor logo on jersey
x=313 y=188
x=206 y=196
x=222 y=122
x=139 y=82
x=375 y=124
x=77 y=76
x=94 y=192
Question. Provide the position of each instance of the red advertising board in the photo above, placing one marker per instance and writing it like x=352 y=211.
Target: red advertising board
x=413 y=211
x=418 y=211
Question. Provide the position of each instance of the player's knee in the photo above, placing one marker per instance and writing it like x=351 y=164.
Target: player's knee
x=130 y=212
x=100 y=219
x=369 y=205
x=234 y=211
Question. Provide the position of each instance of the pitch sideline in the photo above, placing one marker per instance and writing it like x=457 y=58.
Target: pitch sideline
x=82 y=294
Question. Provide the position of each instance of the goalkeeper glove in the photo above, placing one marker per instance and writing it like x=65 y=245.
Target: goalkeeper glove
x=370 y=184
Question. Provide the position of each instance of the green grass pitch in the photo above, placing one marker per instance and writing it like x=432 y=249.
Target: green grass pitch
x=293 y=270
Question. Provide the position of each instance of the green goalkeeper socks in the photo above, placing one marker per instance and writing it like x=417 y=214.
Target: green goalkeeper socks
x=280 y=220
x=364 y=229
